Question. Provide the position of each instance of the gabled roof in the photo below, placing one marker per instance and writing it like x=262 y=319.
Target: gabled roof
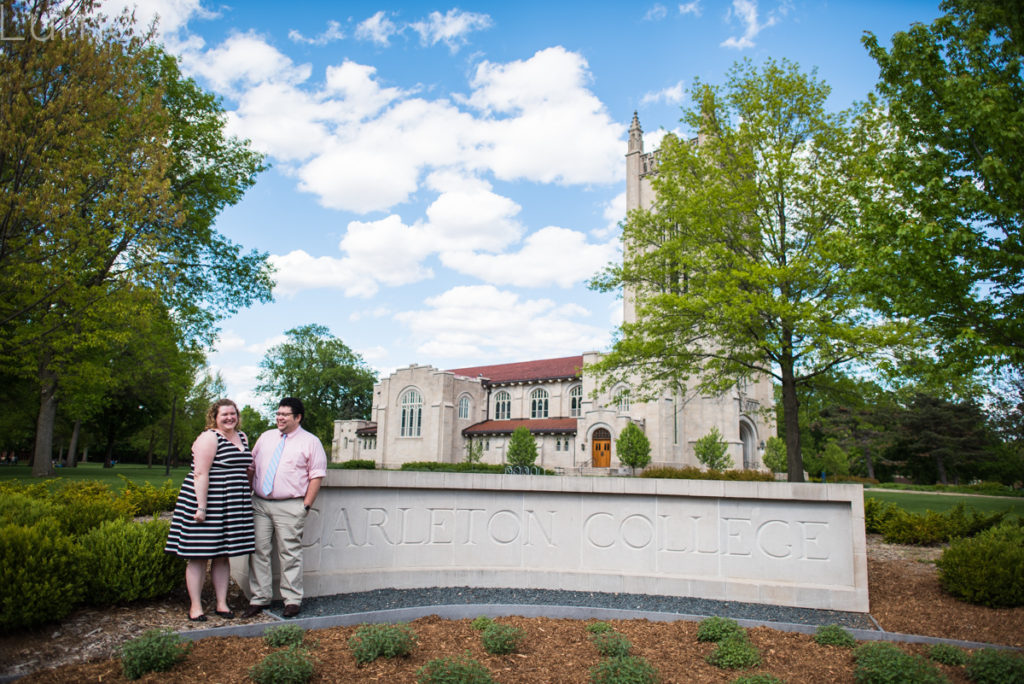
x=567 y=367
x=535 y=425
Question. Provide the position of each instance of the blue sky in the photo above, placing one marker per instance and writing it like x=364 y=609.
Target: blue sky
x=446 y=177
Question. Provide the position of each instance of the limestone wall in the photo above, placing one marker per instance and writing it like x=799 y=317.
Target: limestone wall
x=761 y=542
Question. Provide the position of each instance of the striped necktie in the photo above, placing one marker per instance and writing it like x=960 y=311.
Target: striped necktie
x=268 y=477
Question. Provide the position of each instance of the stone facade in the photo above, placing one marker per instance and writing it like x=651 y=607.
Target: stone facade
x=421 y=413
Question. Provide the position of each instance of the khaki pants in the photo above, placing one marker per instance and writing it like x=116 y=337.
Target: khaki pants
x=281 y=521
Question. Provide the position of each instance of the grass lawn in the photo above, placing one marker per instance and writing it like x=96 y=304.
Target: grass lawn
x=919 y=502
x=139 y=474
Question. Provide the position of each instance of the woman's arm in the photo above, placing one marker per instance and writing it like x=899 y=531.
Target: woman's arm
x=204 y=449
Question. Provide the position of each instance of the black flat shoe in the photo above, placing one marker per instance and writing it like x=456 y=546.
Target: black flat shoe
x=199 y=618
x=226 y=614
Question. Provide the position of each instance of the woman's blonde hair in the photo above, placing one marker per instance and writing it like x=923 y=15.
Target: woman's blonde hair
x=211 y=413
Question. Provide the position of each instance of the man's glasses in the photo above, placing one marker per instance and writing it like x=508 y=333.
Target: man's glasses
x=280 y=414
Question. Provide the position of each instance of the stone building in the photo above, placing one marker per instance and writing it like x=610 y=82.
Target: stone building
x=421 y=413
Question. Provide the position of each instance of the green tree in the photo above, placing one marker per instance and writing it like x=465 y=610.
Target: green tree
x=522 y=448
x=711 y=451
x=332 y=381
x=775 y=454
x=101 y=191
x=633 y=447
x=253 y=423
x=943 y=440
x=750 y=261
x=953 y=91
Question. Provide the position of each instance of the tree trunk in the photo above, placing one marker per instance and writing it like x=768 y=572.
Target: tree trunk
x=152 y=444
x=940 y=465
x=869 y=462
x=72 y=462
x=42 y=461
x=791 y=418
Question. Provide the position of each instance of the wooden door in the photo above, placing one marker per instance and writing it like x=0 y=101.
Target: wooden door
x=601 y=449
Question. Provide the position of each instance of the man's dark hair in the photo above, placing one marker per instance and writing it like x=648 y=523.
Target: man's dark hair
x=295 y=405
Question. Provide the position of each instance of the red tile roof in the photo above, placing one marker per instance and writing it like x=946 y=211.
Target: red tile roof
x=527 y=371
x=368 y=429
x=500 y=427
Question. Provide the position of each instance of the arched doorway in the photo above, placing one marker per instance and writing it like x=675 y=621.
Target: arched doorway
x=748 y=439
x=601 y=448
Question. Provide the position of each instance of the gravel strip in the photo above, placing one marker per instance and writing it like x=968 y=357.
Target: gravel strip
x=391 y=599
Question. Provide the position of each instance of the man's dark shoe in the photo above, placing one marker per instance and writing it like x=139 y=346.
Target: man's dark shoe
x=291 y=610
x=252 y=611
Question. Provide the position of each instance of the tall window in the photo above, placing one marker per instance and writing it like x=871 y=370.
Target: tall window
x=412 y=414
x=622 y=400
x=539 y=403
x=502 y=405
x=464 y=407
x=576 y=401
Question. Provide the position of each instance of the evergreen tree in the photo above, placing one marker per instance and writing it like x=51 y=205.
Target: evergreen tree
x=522 y=448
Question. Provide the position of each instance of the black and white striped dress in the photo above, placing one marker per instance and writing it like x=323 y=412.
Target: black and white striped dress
x=227 y=529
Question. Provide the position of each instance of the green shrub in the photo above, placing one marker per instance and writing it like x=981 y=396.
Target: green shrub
x=284 y=635
x=692 y=473
x=930 y=528
x=292 y=665
x=499 y=639
x=735 y=652
x=775 y=457
x=125 y=561
x=760 y=678
x=717 y=628
x=711 y=450
x=157 y=650
x=85 y=505
x=880 y=662
x=145 y=499
x=947 y=654
x=481 y=622
x=992 y=666
x=18 y=508
x=460 y=670
x=463 y=467
x=40 y=576
x=374 y=641
x=599 y=627
x=834 y=635
x=611 y=644
x=522 y=447
x=624 y=670
x=877 y=513
x=355 y=464
x=987 y=569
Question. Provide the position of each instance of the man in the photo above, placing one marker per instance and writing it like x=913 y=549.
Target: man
x=288 y=465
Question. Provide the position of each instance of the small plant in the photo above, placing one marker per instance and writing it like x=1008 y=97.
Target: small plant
x=969 y=571
x=624 y=670
x=522 y=447
x=611 y=644
x=157 y=650
x=599 y=627
x=374 y=641
x=834 y=635
x=481 y=622
x=760 y=678
x=880 y=662
x=284 y=635
x=711 y=451
x=947 y=654
x=292 y=665
x=461 y=670
x=735 y=652
x=717 y=628
x=991 y=666
x=633 y=447
x=499 y=639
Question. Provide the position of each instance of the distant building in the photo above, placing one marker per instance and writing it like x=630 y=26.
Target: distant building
x=421 y=413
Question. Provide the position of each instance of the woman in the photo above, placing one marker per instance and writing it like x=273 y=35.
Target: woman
x=213 y=515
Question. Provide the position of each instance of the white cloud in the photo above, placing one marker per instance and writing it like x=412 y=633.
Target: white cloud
x=387 y=251
x=242 y=61
x=376 y=312
x=691 y=8
x=656 y=13
x=673 y=95
x=614 y=211
x=377 y=29
x=332 y=33
x=541 y=262
x=228 y=341
x=173 y=15
x=298 y=271
x=484 y=322
x=450 y=28
x=746 y=12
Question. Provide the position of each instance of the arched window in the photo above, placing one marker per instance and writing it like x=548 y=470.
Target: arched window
x=539 y=403
x=463 y=407
x=622 y=400
x=502 y=405
x=412 y=413
x=576 y=401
